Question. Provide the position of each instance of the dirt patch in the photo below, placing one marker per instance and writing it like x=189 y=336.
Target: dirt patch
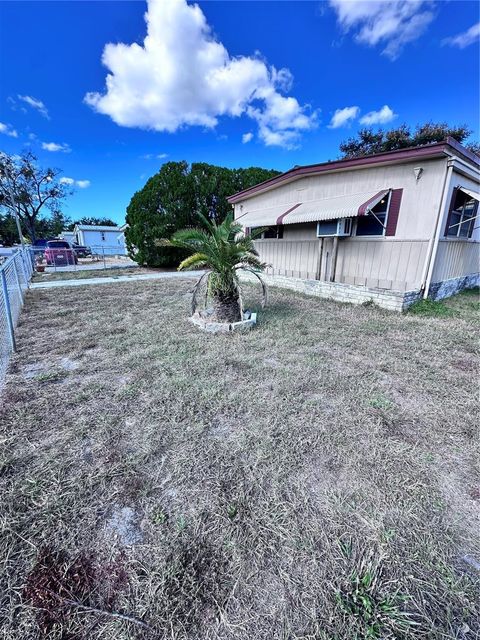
x=123 y=524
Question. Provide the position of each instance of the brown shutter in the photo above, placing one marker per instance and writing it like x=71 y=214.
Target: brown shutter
x=450 y=209
x=393 y=211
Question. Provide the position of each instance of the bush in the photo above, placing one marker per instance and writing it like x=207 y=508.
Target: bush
x=171 y=200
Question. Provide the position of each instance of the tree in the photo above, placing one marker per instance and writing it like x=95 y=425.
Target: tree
x=367 y=141
x=103 y=222
x=165 y=204
x=8 y=230
x=51 y=226
x=224 y=248
x=29 y=189
x=171 y=200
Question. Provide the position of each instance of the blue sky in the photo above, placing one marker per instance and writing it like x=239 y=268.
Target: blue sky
x=230 y=83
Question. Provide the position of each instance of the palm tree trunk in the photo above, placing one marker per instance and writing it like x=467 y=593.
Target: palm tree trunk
x=226 y=308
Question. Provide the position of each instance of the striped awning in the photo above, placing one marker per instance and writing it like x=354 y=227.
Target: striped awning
x=347 y=206
x=358 y=204
x=469 y=192
x=266 y=217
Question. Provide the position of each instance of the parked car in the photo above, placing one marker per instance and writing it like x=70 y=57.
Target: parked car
x=81 y=250
x=60 y=253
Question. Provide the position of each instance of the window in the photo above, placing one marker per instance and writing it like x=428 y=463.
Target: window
x=273 y=232
x=461 y=219
x=373 y=224
x=57 y=244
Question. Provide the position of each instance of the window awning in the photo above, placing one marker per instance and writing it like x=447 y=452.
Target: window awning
x=358 y=204
x=469 y=192
x=333 y=208
x=266 y=217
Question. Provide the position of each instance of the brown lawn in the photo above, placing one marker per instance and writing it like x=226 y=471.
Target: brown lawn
x=317 y=478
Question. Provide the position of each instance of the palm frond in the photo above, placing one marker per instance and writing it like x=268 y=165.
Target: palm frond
x=223 y=248
x=195 y=260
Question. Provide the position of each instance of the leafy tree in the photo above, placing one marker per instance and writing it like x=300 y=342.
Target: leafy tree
x=367 y=141
x=223 y=248
x=45 y=227
x=8 y=230
x=52 y=226
x=164 y=205
x=171 y=200
x=103 y=222
x=212 y=187
x=30 y=190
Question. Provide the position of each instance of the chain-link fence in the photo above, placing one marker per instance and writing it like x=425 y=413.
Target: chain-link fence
x=15 y=274
x=61 y=256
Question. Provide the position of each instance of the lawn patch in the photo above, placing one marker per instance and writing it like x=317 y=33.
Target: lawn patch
x=431 y=309
x=314 y=479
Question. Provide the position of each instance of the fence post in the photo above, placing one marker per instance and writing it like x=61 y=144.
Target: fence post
x=103 y=251
x=19 y=285
x=8 y=310
x=24 y=268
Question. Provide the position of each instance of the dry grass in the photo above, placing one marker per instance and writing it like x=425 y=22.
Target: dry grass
x=92 y=273
x=316 y=478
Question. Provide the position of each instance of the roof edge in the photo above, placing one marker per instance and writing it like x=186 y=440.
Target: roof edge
x=436 y=149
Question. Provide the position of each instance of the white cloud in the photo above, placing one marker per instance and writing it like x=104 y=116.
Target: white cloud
x=55 y=146
x=181 y=75
x=154 y=156
x=247 y=137
x=464 y=39
x=390 y=23
x=71 y=182
x=343 y=117
x=8 y=130
x=35 y=104
x=383 y=115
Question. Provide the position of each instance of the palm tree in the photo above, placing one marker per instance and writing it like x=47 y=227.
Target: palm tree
x=224 y=249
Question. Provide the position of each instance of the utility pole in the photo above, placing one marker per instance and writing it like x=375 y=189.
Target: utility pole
x=13 y=204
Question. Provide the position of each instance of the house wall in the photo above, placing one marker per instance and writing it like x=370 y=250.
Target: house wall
x=420 y=199
x=391 y=263
x=114 y=242
x=376 y=263
x=457 y=259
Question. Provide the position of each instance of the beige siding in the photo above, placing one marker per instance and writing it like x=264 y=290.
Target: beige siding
x=297 y=259
x=456 y=258
x=420 y=200
x=386 y=264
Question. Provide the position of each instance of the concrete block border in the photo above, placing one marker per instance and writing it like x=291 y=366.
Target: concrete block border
x=207 y=325
x=356 y=294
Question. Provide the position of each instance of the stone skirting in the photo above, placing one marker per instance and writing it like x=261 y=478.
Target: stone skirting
x=355 y=294
x=393 y=300
x=447 y=288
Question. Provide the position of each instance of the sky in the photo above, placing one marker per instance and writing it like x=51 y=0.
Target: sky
x=108 y=91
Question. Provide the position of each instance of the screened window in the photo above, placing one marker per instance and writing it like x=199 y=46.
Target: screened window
x=373 y=224
x=461 y=219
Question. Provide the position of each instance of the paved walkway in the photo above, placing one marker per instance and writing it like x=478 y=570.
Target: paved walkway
x=80 y=282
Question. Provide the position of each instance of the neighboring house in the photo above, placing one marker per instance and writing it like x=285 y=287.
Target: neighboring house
x=101 y=239
x=68 y=236
x=391 y=227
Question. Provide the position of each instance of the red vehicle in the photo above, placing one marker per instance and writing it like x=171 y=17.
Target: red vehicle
x=59 y=253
